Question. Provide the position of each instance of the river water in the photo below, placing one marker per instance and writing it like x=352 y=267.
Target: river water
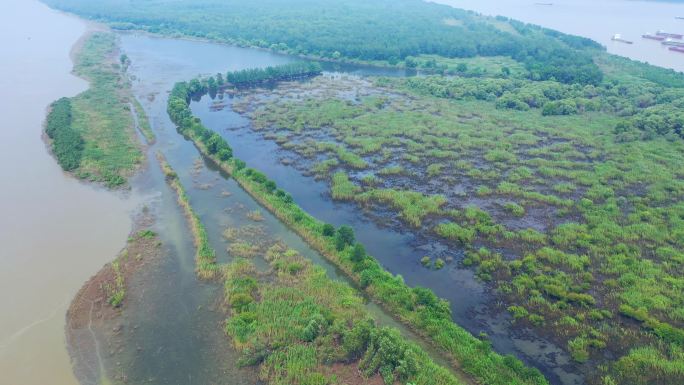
x=55 y=231
x=598 y=20
x=172 y=326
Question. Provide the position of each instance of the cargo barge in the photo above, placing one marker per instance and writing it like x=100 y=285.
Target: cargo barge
x=618 y=37
x=653 y=37
x=673 y=43
x=669 y=35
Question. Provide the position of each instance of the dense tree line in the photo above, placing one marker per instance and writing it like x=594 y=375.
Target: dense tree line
x=252 y=77
x=385 y=30
x=67 y=143
x=290 y=71
x=180 y=113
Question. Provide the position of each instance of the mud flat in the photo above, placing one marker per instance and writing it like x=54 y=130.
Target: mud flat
x=103 y=298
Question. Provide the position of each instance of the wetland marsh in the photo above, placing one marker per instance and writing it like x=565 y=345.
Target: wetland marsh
x=400 y=203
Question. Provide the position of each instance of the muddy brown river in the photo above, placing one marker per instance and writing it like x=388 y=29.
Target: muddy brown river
x=55 y=231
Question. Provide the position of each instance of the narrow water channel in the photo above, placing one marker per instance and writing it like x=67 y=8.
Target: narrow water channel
x=157 y=63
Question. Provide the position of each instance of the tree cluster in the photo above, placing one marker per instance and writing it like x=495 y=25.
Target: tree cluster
x=67 y=143
x=290 y=71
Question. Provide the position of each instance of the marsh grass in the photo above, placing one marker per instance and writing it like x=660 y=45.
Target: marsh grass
x=205 y=255
x=101 y=116
x=418 y=308
x=300 y=321
x=609 y=207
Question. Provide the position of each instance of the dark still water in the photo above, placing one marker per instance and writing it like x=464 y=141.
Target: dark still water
x=157 y=63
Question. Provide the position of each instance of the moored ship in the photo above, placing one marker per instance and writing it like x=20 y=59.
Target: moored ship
x=653 y=37
x=673 y=43
x=669 y=35
x=618 y=37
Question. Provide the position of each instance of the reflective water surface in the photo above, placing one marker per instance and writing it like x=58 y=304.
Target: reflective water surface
x=171 y=330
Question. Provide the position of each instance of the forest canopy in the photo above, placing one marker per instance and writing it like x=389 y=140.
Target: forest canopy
x=380 y=30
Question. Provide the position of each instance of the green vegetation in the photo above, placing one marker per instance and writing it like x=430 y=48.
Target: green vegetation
x=143 y=244
x=254 y=77
x=417 y=307
x=455 y=232
x=385 y=32
x=586 y=221
x=557 y=166
x=143 y=122
x=205 y=256
x=118 y=292
x=498 y=66
x=648 y=109
x=647 y=365
x=67 y=144
x=93 y=133
x=297 y=324
x=341 y=188
x=413 y=206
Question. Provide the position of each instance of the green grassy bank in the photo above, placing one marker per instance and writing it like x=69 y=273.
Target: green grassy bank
x=92 y=134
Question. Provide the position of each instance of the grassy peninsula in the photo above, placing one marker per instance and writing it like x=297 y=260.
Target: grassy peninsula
x=93 y=134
